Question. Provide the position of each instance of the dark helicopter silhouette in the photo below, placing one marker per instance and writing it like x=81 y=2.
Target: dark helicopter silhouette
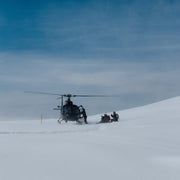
x=69 y=111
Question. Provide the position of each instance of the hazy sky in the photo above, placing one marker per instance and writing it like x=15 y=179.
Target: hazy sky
x=125 y=47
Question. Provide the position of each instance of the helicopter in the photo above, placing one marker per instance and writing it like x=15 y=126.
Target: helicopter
x=68 y=110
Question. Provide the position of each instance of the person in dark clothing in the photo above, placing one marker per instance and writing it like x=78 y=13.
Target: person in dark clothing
x=115 y=116
x=105 y=119
x=84 y=115
x=83 y=112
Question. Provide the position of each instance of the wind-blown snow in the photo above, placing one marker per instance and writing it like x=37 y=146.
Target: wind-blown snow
x=144 y=144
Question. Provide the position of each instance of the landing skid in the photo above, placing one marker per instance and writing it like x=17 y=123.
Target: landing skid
x=61 y=120
x=80 y=121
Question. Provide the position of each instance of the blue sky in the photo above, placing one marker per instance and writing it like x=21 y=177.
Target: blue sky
x=127 y=47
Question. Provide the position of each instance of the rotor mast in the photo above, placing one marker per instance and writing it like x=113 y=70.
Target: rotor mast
x=61 y=104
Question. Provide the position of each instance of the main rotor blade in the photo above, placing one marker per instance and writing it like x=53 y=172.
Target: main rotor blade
x=67 y=95
x=46 y=93
x=92 y=96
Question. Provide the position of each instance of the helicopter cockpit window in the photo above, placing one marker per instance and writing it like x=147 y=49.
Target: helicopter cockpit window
x=74 y=110
x=66 y=109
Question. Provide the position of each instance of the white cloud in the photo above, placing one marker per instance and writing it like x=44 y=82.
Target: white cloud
x=147 y=80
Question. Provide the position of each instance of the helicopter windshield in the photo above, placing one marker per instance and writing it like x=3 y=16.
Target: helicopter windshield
x=71 y=110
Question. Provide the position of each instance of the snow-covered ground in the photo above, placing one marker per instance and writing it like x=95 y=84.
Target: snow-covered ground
x=143 y=145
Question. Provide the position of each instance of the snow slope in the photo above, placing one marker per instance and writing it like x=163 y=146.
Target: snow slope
x=145 y=145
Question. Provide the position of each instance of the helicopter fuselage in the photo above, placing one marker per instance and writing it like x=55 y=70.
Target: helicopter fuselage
x=70 y=112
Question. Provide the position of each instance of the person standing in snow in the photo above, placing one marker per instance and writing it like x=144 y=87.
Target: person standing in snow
x=84 y=115
x=83 y=112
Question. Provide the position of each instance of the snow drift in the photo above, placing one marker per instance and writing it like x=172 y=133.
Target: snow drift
x=144 y=144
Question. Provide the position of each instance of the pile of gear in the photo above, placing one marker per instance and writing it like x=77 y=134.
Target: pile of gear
x=108 y=119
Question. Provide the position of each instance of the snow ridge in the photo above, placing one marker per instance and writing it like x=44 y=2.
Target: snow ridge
x=144 y=144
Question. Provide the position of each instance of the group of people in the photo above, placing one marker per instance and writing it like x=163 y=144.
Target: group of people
x=107 y=118
x=114 y=117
